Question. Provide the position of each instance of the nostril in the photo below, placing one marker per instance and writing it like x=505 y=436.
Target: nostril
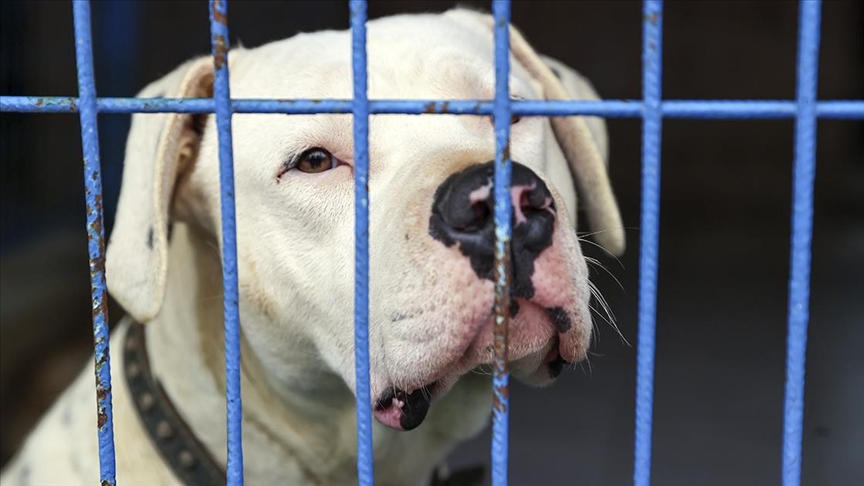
x=481 y=214
x=525 y=202
x=530 y=200
x=468 y=218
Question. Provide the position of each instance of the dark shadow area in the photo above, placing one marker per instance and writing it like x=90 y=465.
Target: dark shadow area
x=724 y=242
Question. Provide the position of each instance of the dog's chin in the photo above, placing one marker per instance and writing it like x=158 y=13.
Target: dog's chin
x=535 y=362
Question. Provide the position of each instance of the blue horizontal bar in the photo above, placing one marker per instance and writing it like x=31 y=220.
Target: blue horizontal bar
x=708 y=109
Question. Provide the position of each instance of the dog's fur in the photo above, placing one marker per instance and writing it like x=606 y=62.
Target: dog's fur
x=429 y=311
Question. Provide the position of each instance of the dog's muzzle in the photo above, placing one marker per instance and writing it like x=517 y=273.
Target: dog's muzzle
x=462 y=213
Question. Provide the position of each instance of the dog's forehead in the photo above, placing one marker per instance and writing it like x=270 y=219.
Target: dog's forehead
x=425 y=56
x=420 y=56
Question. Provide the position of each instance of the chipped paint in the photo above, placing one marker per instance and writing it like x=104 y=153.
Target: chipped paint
x=701 y=109
x=501 y=116
x=222 y=104
x=95 y=232
x=502 y=322
x=220 y=51
x=220 y=14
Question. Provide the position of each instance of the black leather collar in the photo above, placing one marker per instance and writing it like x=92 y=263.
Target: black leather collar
x=182 y=451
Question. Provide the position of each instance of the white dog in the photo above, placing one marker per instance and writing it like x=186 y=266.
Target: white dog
x=431 y=240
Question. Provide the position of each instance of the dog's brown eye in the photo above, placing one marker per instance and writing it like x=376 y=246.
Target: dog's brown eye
x=316 y=160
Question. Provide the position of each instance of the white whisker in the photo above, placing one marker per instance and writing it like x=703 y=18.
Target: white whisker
x=583 y=240
x=596 y=262
x=610 y=316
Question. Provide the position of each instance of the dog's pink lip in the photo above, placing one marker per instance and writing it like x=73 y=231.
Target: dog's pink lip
x=404 y=410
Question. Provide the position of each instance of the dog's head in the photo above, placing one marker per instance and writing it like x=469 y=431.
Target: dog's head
x=431 y=231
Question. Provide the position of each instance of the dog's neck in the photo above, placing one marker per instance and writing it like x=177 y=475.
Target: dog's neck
x=312 y=432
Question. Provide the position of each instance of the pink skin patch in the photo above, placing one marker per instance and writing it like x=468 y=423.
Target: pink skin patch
x=481 y=194
x=391 y=415
x=519 y=196
x=555 y=280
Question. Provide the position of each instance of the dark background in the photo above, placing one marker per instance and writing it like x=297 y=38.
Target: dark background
x=724 y=238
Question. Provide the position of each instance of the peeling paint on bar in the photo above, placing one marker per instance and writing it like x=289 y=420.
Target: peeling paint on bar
x=95 y=237
x=705 y=109
x=503 y=211
x=222 y=104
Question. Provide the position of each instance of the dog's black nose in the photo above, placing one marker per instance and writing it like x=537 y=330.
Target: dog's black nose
x=462 y=213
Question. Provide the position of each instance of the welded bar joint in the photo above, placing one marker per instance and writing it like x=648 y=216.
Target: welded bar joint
x=802 y=235
x=220 y=41
x=95 y=238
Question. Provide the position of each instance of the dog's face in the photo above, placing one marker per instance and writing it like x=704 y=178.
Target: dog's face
x=431 y=231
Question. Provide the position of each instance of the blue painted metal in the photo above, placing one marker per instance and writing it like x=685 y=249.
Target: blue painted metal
x=707 y=109
x=220 y=42
x=805 y=110
x=503 y=214
x=95 y=238
x=802 y=235
x=652 y=69
x=365 y=467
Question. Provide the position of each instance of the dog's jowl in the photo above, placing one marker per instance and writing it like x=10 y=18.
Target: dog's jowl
x=431 y=239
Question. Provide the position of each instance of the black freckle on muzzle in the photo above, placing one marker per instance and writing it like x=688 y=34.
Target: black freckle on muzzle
x=463 y=213
x=559 y=318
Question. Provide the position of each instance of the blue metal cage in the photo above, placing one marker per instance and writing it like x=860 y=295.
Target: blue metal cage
x=652 y=108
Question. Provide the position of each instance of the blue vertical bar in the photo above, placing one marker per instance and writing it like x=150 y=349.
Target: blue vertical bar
x=802 y=234
x=503 y=213
x=95 y=237
x=365 y=470
x=222 y=98
x=652 y=122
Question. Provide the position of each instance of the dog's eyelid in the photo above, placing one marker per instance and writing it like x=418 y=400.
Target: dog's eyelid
x=297 y=158
x=290 y=163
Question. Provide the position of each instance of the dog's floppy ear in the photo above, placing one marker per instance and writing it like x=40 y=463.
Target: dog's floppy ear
x=583 y=152
x=159 y=149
